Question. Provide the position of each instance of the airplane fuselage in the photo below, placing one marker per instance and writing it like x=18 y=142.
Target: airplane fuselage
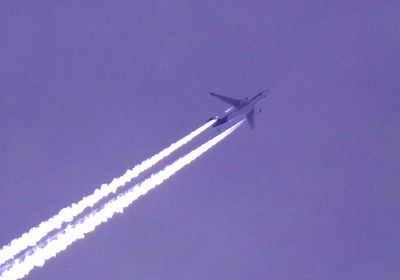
x=244 y=108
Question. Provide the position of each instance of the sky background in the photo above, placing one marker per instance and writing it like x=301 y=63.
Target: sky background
x=88 y=89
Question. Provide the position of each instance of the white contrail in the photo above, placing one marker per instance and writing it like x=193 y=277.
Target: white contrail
x=67 y=214
x=55 y=244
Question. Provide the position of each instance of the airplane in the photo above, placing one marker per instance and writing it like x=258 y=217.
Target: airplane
x=239 y=107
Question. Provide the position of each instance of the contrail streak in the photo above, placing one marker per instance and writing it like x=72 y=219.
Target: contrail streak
x=67 y=214
x=73 y=232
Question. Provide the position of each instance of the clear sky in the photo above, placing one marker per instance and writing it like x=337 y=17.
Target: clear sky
x=88 y=90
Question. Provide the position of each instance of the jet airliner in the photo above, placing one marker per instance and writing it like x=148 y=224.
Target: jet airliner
x=239 y=107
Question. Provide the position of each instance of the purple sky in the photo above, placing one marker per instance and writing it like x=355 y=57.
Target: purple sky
x=89 y=90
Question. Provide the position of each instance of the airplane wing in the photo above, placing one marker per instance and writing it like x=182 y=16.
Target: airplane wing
x=232 y=101
x=250 y=118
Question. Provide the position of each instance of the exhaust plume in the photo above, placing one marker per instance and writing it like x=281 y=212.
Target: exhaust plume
x=73 y=232
x=67 y=214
